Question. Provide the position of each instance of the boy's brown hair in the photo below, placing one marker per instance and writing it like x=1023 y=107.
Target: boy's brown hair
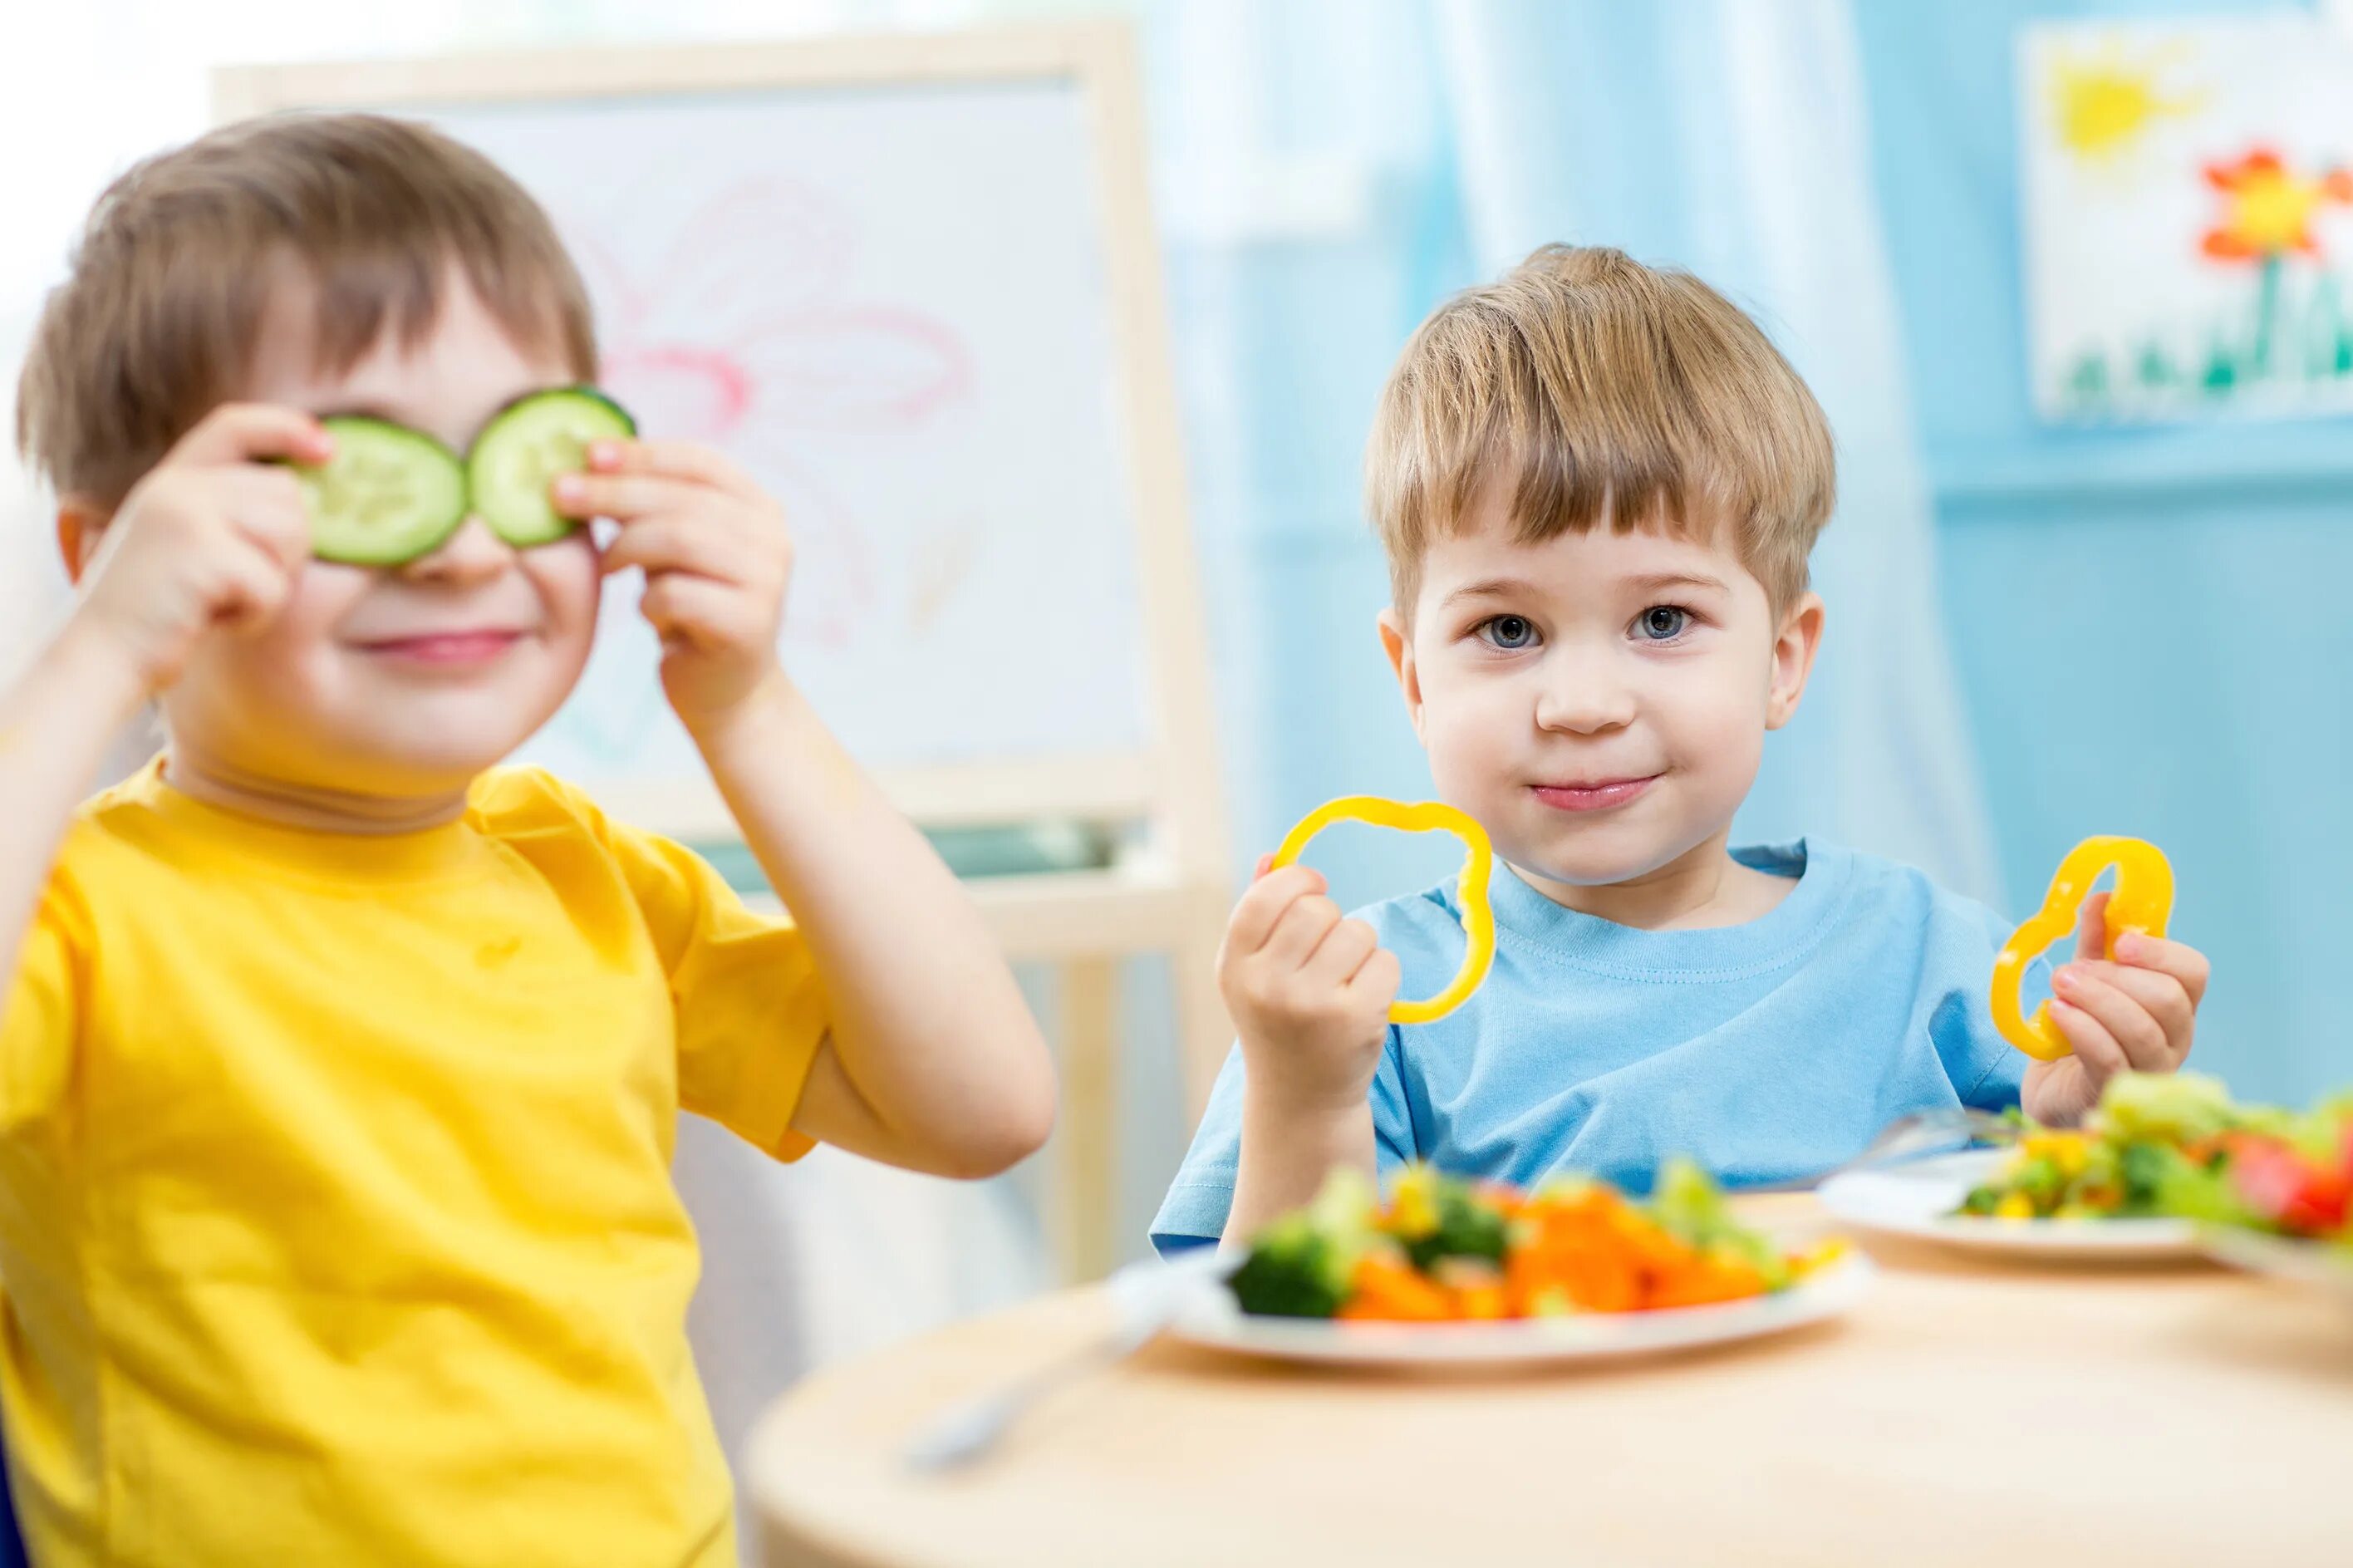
x=162 y=309
x=1598 y=389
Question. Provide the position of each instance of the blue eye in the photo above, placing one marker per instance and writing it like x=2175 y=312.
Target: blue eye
x=1509 y=632
x=1662 y=622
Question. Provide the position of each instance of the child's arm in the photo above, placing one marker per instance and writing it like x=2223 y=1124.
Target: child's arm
x=2132 y=1010
x=931 y=1059
x=210 y=540
x=1310 y=995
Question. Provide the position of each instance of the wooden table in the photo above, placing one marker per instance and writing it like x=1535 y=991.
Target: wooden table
x=1968 y=1414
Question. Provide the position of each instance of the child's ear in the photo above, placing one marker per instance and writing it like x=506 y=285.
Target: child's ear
x=82 y=523
x=1793 y=659
x=1398 y=643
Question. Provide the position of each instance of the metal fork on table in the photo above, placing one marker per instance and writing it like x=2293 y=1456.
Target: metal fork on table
x=1147 y=1297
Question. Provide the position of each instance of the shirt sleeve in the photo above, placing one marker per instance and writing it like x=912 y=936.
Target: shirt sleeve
x=1987 y=1071
x=751 y=1008
x=1194 y=1212
x=44 y=1006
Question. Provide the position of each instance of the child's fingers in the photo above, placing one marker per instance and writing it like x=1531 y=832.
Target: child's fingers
x=266 y=504
x=624 y=497
x=2092 y=927
x=2164 y=998
x=678 y=544
x=1300 y=932
x=700 y=612
x=253 y=586
x=2093 y=1044
x=1256 y=912
x=1342 y=953
x=252 y=432
x=2186 y=964
x=2139 y=1037
x=688 y=461
x=1376 y=979
x=1265 y=863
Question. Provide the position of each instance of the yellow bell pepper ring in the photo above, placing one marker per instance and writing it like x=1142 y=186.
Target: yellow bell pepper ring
x=2142 y=902
x=1477 y=866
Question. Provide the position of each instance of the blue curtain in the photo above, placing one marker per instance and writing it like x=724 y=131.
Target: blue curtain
x=1331 y=171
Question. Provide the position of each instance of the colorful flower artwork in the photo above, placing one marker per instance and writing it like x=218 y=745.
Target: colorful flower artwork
x=2188 y=193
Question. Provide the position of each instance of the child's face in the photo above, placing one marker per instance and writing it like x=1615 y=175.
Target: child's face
x=1598 y=701
x=407 y=680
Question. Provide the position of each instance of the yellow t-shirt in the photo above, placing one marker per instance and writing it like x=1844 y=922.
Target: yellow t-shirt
x=336 y=1219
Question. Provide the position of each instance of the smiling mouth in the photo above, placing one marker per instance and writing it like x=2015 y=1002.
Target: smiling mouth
x=1597 y=796
x=444 y=649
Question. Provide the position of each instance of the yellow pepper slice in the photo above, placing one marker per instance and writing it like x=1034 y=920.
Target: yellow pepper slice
x=2143 y=902
x=1478 y=865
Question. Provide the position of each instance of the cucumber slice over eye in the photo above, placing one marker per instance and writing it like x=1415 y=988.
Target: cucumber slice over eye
x=524 y=449
x=388 y=495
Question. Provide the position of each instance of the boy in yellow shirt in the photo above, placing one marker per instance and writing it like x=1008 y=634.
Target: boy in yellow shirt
x=340 y=1070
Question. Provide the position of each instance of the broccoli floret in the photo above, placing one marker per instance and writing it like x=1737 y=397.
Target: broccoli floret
x=1689 y=1206
x=1465 y=1228
x=1983 y=1200
x=1299 y=1267
x=1345 y=1211
x=2043 y=1180
x=2143 y=1170
x=1293 y=1271
x=2201 y=1193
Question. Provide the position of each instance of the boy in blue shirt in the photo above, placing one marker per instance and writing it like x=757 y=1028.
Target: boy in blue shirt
x=1598 y=485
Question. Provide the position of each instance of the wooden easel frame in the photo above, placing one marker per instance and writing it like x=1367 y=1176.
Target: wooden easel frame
x=1170 y=896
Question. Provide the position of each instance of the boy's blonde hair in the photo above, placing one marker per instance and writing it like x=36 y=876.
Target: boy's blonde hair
x=1583 y=388
x=162 y=309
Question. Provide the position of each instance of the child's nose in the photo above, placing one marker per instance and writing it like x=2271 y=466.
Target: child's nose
x=1584 y=697
x=472 y=553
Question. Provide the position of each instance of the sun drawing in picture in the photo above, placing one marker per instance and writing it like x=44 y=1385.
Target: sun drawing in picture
x=2105 y=100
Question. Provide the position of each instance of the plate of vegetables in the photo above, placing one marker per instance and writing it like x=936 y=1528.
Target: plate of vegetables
x=2279 y=1199
x=1451 y=1272
x=2132 y=1183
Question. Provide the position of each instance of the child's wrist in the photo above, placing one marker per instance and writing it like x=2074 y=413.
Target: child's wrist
x=761 y=718
x=100 y=666
x=1321 y=1104
x=1289 y=1148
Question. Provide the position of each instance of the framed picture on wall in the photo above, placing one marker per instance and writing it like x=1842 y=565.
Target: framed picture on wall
x=2187 y=194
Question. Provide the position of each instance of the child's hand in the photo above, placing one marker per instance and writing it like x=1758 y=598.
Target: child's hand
x=716 y=557
x=211 y=537
x=1309 y=991
x=2134 y=1009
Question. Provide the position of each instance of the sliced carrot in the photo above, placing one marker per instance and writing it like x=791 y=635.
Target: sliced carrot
x=1389 y=1290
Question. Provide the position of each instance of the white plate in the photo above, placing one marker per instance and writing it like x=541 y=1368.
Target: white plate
x=1918 y=1201
x=1208 y=1316
x=2304 y=1262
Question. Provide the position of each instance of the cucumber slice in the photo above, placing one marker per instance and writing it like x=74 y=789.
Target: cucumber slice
x=388 y=495
x=526 y=445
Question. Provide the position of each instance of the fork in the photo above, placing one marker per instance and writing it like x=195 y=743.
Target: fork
x=1148 y=1297
x=1916 y=1136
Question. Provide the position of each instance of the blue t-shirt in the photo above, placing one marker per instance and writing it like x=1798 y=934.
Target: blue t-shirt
x=1768 y=1051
